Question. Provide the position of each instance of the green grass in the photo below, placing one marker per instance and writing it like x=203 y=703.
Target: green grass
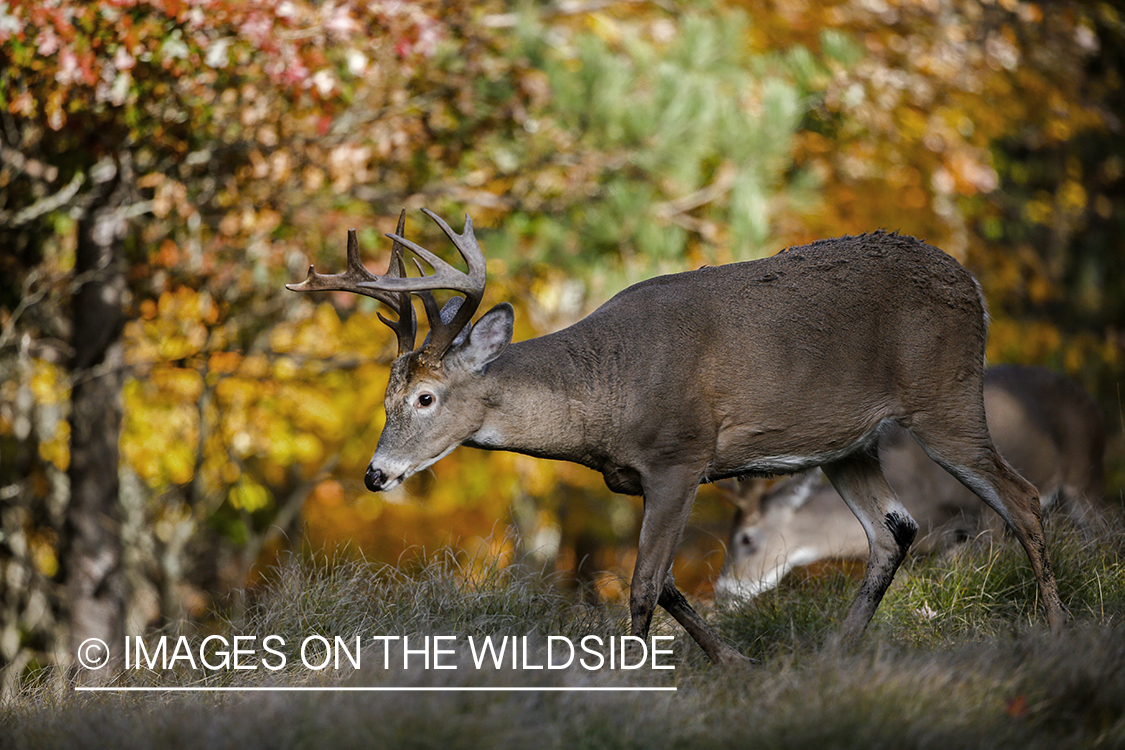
x=956 y=657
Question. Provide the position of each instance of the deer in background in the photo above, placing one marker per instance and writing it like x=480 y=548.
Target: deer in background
x=1047 y=427
x=770 y=366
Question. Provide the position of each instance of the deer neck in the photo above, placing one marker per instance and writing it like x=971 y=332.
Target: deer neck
x=538 y=403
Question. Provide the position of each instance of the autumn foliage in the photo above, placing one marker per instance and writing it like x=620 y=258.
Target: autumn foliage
x=223 y=146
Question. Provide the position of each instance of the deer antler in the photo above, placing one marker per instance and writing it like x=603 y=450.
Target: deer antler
x=445 y=276
x=359 y=280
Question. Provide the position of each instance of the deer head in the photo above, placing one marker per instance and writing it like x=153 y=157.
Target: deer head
x=432 y=406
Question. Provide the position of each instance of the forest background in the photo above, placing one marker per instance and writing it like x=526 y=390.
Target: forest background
x=171 y=418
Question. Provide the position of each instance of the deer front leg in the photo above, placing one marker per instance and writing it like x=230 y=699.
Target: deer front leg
x=668 y=498
x=715 y=647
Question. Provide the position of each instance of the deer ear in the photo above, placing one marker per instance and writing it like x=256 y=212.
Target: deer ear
x=745 y=494
x=490 y=336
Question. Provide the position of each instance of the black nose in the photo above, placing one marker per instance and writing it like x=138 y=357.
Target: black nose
x=374 y=479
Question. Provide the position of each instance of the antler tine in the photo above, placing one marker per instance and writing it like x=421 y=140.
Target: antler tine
x=348 y=281
x=406 y=327
x=433 y=312
x=444 y=276
x=359 y=280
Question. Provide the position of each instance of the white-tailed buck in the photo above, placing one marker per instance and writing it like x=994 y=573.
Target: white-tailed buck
x=769 y=366
x=1046 y=426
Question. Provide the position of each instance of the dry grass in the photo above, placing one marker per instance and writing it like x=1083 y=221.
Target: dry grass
x=956 y=657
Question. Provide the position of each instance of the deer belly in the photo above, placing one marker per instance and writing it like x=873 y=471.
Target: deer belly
x=746 y=450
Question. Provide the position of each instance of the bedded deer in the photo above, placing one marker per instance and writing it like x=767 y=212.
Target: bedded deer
x=768 y=366
x=1047 y=427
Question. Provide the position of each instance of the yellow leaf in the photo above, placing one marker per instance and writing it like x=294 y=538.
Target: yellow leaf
x=224 y=362
x=282 y=338
x=308 y=448
x=43 y=554
x=255 y=366
x=1073 y=197
x=284 y=369
x=180 y=382
x=230 y=472
x=48 y=385
x=249 y=496
x=179 y=464
x=57 y=449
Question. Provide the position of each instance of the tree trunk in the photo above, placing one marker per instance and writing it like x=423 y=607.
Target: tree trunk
x=92 y=557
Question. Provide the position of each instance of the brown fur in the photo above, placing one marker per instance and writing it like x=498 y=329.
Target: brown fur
x=1044 y=424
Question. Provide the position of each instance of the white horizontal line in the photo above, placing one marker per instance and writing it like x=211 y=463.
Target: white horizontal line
x=314 y=689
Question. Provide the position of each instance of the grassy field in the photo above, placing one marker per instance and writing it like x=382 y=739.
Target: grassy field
x=955 y=657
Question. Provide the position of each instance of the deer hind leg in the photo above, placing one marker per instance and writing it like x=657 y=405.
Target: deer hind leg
x=974 y=461
x=668 y=500
x=890 y=531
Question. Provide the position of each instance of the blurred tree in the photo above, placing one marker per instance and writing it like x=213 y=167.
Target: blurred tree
x=151 y=150
x=165 y=166
x=992 y=130
x=652 y=140
x=91 y=543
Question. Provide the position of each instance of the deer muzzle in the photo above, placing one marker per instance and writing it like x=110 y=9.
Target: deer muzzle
x=375 y=479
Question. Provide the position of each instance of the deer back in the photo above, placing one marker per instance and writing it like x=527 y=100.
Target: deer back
x=724 y=365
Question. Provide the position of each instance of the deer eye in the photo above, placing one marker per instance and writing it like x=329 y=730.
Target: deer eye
x=747 y=542
x=424 y=400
